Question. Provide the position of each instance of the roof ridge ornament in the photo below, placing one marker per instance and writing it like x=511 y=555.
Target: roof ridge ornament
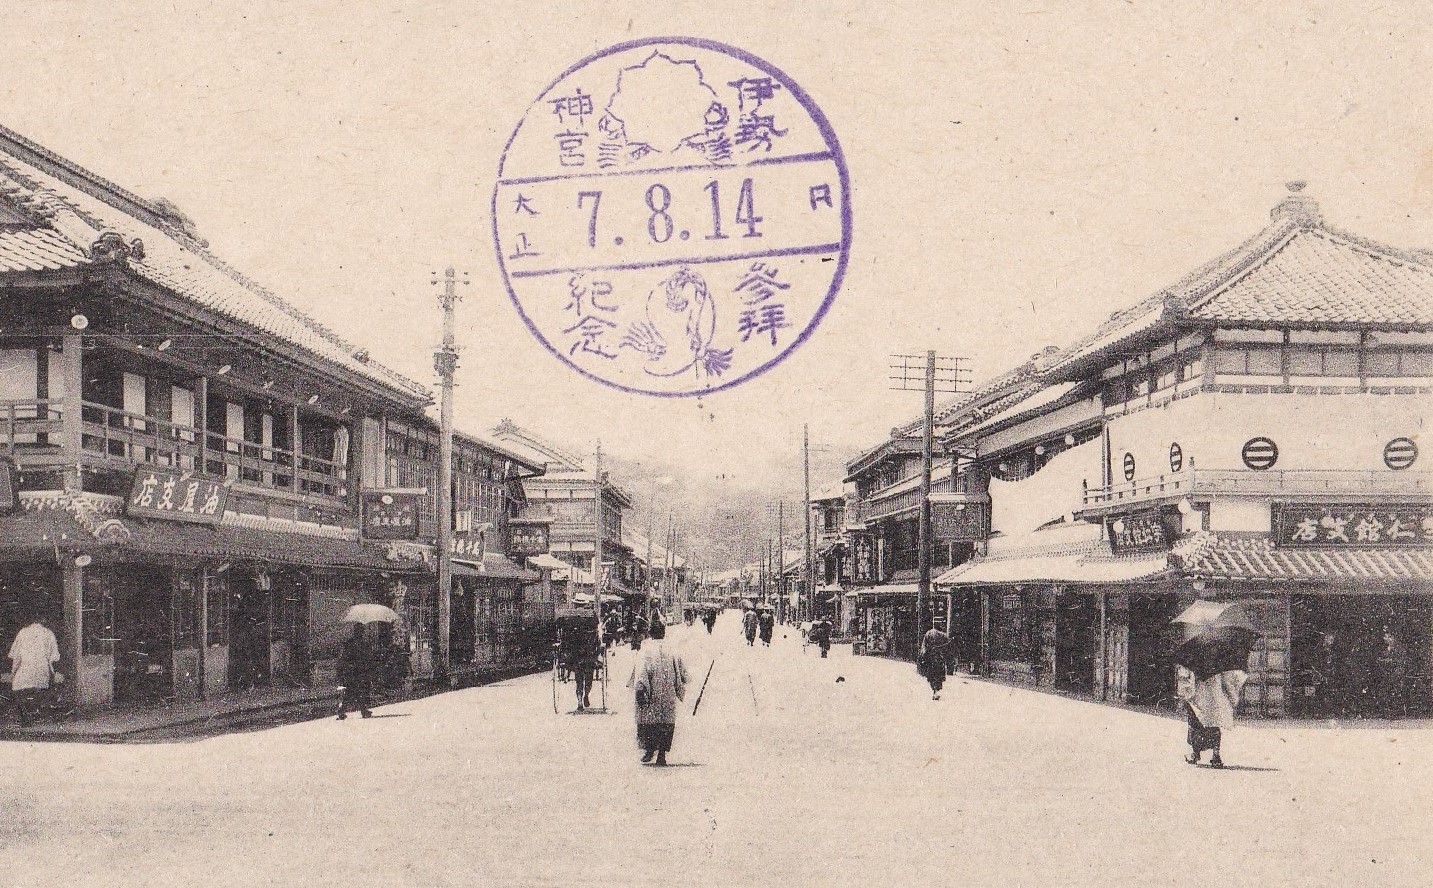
x=1298 y=207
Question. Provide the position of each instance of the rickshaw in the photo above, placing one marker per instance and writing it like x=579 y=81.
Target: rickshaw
x=576 y=634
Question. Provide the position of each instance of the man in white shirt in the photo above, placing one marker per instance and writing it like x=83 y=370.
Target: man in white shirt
x=33 y=656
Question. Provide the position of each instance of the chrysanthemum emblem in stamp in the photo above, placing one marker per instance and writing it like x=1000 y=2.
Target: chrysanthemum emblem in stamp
x=672 y=216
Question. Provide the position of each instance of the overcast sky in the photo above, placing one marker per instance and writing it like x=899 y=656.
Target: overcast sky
x=1016 y=175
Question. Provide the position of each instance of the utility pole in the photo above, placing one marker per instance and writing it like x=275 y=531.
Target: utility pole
x=809 y=612
x=947 y=374
x=445 y=362
x=781 y=559
x=597 y=538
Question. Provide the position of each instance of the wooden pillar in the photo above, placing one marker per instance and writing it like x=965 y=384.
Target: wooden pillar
x=297 y=442
x=1102 y=652
x=203 y=421
x=71 y=638
x=72 y=420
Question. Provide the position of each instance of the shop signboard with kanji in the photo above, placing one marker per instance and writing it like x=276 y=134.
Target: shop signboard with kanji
x=1346 y=524
x=527 y=539
x=466 y=546
x=176 y=496
x=390 y=516
x=1144 y=531
x=958 y=522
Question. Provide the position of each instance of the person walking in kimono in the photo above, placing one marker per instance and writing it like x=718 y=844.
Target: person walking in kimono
x=932 y=657
x=820 y=636
x=355 y=673
x=766 y=623
x=33 y=656
x=1209 y=705
x=658 y=682
x=748 y=627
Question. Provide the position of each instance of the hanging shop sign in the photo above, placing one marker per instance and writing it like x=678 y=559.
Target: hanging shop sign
x=1344 y=524
x=7 y=486
x=390 y=516
x=1129 y=466
x=468 y=547
x=176 y=496
x=1176 y=458
x=958 y=522
x=1143 y=531
x=527 y=539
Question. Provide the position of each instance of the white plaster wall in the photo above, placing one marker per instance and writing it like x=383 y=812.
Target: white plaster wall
x=1312 y=431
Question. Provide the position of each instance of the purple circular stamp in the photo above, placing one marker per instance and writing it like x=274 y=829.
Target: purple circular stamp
x=672 y=216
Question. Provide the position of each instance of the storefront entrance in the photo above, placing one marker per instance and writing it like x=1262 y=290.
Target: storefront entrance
x=462 y=631
x=249 y=638
x=1150 y=678
x=1345 y=667
x=965 y=619
x=1077 y=624
x=144 y=644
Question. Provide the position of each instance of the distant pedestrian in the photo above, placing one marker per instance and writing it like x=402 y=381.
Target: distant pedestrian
x=820 y=636
x=639 y=632
x=932 y=658
x=658 y=682
x=709 y=618
x=33 y=656
x=1392 y=681
x=766 y=622
x=581 y=650
x=748 y=627
x=1209 y=705
x=612 y=630
x=355 y=673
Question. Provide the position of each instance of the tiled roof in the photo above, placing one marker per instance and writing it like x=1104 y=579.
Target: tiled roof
x=37 y=249
x=1317 y=276
x=170 y=257
x=1212 y=556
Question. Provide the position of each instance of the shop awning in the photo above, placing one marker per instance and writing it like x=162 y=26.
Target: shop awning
x=493 y=567
x=48 y=530
x=908 y=589
x=1215 y=557
x=1056 y=569
x=547 y=562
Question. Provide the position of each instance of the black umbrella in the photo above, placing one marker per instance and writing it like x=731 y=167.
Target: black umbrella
x=1217 y=638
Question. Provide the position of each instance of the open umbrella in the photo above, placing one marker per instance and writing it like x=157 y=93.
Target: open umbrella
x=370 y=613
x=1217 y=637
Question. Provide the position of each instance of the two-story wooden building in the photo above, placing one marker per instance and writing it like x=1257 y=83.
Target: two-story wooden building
x=193 y=473
x=180 y=447
x=1250 y=433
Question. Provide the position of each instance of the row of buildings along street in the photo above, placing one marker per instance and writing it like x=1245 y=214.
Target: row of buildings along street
x=197 y=480
x=1251 y=433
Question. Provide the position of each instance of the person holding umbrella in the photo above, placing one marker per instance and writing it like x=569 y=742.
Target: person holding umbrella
x=356 y=660
x=1211 y=662
x=821 y=636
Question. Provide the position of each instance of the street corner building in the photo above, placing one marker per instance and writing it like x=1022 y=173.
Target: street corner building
x=197 y=480
x=1251 y=433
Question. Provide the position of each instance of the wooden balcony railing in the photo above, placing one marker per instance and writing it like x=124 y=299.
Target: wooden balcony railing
x=30 y=423
x=118 y=436
x=899 y=497
x=1271 y=483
